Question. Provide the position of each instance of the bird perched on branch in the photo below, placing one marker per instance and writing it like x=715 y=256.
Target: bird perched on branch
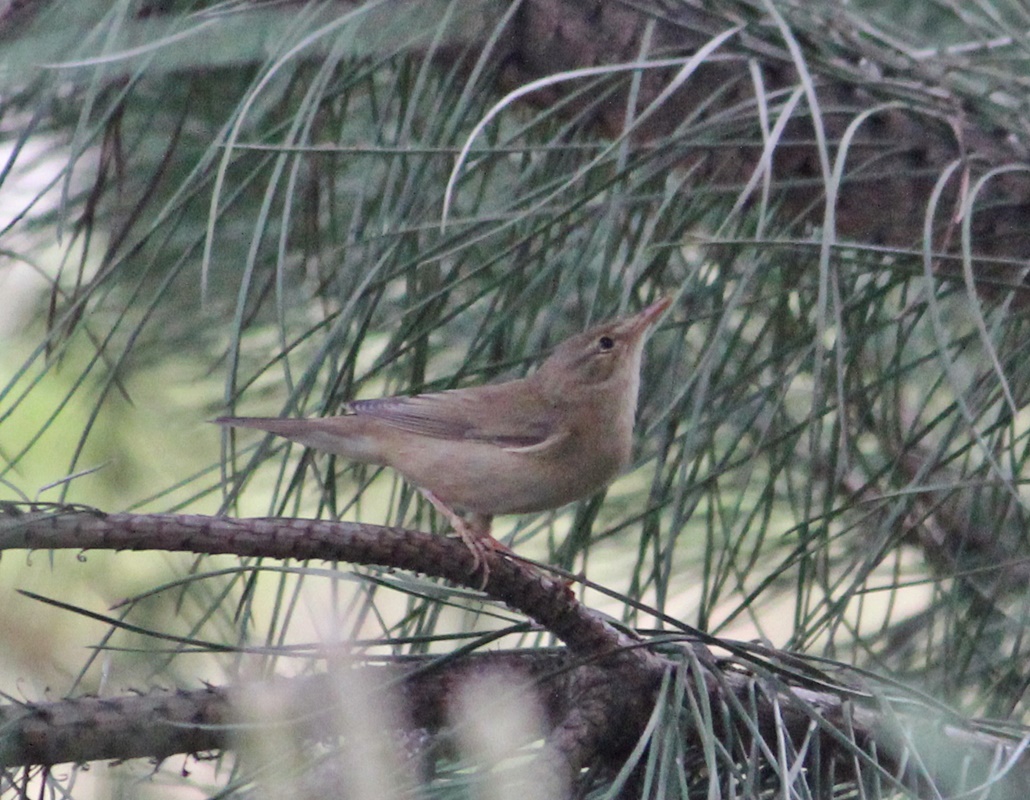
x=525 y=445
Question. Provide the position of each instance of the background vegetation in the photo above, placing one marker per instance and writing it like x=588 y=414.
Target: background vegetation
x=268 y=209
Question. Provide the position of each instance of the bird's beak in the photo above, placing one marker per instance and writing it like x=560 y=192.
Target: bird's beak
x=639 y=323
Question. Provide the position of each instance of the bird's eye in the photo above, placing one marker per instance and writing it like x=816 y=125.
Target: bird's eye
x=606 y=343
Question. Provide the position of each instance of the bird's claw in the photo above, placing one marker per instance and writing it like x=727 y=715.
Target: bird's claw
x=478 y=546
x=476 y=537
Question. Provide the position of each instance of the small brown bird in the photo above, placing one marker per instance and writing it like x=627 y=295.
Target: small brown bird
x=525 y=445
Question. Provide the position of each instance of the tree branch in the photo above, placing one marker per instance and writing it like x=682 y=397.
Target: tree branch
x=597 y=695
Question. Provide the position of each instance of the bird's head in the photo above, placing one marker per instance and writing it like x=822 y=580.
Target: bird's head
x=604 y=359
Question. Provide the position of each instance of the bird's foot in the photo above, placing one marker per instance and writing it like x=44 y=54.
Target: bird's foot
x=474 y=533
x=479 y=547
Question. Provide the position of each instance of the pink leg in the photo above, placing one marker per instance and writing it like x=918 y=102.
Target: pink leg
x=474 y=532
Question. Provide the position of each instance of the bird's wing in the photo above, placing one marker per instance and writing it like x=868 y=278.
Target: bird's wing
x=513 y=420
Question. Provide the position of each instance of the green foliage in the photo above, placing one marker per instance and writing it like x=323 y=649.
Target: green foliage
x=240 y=209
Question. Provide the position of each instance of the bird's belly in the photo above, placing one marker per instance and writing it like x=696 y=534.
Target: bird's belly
x=486 y=479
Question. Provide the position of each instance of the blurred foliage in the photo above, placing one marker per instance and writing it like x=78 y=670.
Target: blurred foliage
x=239 y=208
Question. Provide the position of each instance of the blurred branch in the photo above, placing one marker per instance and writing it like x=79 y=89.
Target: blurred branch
x=922 y=749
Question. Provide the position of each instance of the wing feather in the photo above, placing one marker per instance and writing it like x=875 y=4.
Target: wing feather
x=513 y=420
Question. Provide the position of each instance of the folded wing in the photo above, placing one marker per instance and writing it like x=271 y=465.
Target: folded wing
x=513 y=420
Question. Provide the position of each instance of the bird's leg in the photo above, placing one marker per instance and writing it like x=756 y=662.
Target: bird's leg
x=479 y=525
x=475 y=533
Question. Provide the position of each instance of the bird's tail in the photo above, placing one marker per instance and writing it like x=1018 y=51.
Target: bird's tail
x=339 y=435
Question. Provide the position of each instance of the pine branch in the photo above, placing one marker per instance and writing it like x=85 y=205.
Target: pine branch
x=522 y=586
x=598 y=695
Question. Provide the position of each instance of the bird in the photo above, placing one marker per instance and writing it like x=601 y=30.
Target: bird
x=526 y=445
